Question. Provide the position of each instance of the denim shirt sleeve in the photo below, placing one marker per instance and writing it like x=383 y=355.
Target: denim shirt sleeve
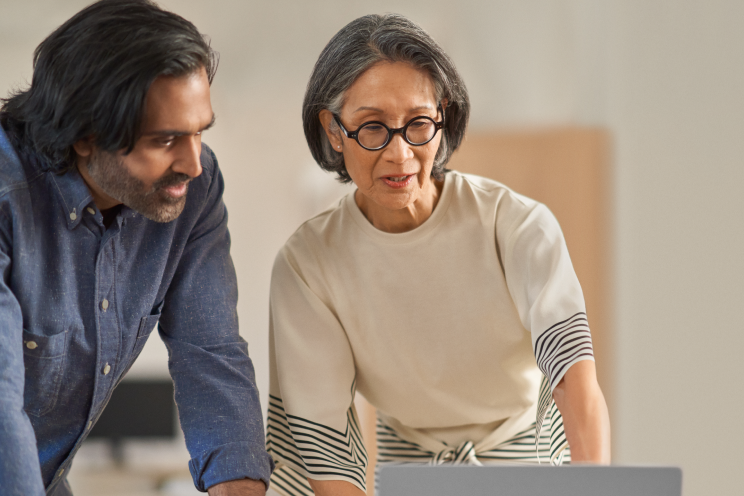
x=20 y=472
x=215 y=385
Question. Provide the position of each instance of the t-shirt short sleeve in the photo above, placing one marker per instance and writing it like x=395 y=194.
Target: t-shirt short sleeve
x=312 y=425
x=543 y=285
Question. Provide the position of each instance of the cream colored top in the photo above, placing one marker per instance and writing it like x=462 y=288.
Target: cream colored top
x=438 y=327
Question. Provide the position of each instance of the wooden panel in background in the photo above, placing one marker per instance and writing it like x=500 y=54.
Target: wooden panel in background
x=567 y=169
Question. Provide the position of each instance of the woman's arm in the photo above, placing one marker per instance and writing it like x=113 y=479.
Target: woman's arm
x=585 y=417
x=334 y=488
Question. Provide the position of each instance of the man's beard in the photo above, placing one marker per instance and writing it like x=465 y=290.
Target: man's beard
x=112 y=176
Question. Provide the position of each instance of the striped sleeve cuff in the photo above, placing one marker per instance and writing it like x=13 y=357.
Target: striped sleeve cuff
x=314 y=450
x=562 y=345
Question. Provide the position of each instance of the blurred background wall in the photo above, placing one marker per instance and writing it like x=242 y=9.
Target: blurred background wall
x=665 y=78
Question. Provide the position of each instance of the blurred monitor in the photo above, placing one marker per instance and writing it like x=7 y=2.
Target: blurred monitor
x=138 y=409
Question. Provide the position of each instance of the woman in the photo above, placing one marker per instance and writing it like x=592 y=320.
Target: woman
x=447 y=300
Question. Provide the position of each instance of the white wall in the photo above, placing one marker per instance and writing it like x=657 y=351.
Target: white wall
x=667 y=79
x=676 y=107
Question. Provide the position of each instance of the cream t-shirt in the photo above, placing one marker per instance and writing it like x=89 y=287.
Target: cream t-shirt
x=441 y=328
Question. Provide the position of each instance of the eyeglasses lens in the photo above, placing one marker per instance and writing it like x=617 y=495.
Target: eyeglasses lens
x=420 y=131
x=372 y=136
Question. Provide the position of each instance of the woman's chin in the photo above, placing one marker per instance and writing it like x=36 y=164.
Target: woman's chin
x=394 y=200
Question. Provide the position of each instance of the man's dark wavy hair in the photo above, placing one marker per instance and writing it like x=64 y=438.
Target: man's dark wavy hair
x=92 y=74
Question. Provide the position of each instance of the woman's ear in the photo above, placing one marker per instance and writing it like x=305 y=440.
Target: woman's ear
x=326 y=120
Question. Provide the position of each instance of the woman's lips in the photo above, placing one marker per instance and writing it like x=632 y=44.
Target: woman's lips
x=398 y=181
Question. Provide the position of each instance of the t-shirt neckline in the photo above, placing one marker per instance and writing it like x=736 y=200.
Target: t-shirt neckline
x=425 y=228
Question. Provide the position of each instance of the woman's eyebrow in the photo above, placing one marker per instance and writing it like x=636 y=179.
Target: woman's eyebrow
x=414 y=109
x=360 y=109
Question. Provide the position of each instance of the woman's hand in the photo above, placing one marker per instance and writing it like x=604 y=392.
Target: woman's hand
x=334 y=488
x=584 y=411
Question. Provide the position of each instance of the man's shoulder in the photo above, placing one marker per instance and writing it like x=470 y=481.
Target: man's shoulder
x=13 y=175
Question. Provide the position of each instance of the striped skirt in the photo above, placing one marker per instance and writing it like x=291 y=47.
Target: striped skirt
x=542 y=442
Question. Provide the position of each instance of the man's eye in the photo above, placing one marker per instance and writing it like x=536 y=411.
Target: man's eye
x=166 y=141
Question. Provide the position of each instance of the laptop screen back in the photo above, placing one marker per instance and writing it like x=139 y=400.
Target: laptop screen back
x=449 y=480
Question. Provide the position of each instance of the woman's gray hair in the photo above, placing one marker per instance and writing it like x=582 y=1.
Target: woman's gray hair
x=358 y=46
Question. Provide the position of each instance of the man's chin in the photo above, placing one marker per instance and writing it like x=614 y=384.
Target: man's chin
x=162 y=213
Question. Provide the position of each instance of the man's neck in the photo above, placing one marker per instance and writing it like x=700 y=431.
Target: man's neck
x=100 y=198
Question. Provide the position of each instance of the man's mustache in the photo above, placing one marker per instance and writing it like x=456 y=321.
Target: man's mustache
x=171 y=180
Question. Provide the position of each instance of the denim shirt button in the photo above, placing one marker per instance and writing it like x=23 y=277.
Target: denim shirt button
x=31 y=345
x=105 y=304
x=91 y=211
x=106 y=369
x=73 y=215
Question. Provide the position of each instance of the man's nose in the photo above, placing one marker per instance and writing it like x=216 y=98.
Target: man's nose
x=188 y=160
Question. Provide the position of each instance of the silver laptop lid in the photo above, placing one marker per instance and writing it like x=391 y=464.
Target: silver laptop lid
x=449 y=480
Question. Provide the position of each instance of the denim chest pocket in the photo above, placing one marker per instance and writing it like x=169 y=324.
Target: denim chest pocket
x=147 y=325
x=44 y=361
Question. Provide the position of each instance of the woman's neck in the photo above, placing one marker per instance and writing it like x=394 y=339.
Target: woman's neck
x=404 y=219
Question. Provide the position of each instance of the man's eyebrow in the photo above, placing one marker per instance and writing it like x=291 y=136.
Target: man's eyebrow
x=175 y=132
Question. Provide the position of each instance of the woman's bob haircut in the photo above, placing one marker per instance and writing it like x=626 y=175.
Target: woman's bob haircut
x=358 y=46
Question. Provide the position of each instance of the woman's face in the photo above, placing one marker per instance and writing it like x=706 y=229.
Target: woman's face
x=397 y=176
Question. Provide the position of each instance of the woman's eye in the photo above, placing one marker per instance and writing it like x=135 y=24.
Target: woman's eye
x=373 y=128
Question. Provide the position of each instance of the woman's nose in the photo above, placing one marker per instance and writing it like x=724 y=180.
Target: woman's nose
x=398 y=150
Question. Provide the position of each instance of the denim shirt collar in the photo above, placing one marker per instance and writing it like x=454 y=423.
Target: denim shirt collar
x=74 y=195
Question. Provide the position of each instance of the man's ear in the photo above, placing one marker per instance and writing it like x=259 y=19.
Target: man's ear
x=84 y=147
x=326 y=118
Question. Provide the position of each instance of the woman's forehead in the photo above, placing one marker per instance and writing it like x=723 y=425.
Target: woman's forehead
x=391 y=86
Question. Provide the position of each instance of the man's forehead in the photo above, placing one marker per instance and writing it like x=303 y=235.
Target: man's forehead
x=179 y=103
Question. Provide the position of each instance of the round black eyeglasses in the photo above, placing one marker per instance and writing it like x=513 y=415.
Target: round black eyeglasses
x=375 y=135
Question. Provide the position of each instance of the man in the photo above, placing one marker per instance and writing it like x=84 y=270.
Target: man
x=112 y=220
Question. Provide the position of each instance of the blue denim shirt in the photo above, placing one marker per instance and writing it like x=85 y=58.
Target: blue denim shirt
x=77 y=303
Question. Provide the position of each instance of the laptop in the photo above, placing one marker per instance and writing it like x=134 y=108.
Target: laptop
x=505 y=480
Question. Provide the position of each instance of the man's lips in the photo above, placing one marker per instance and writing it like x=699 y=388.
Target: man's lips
x=398 y=181
x=176 y=190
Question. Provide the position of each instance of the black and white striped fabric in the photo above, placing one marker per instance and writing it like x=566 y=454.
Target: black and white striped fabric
x=562 y=345
x=542 y=442
x=556 y=349
x=308 y=449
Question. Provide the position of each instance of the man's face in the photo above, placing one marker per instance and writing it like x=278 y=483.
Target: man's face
x=153 y=179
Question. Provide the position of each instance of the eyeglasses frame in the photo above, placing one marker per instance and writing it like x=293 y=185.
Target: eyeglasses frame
x=391 y=132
